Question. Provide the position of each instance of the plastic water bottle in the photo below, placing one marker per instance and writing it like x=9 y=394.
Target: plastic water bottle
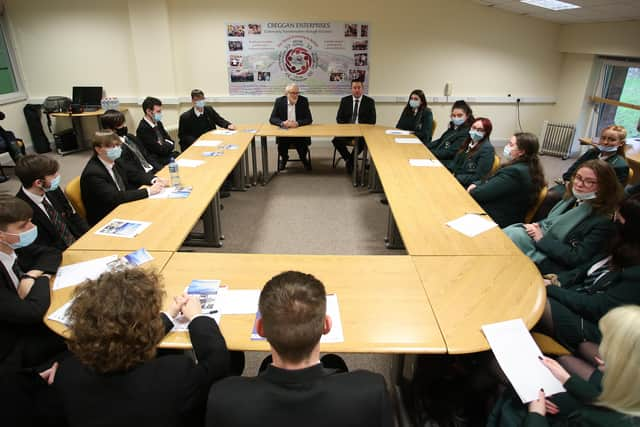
x=173 y=171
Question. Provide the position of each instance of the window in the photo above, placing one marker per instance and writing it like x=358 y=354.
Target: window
x=620 y=82
x=10 y=84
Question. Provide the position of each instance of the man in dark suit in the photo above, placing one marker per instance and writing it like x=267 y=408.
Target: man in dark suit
x=59 y=225
x=104 y=183
x=356 y=108
x=291 y=111
x=152 y=134
x=24 y=290
x=199 y=120
x=296 y=389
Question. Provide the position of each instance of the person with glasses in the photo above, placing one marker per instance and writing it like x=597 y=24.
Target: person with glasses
x=577 y=227
x=289 y=112
x=474 y=159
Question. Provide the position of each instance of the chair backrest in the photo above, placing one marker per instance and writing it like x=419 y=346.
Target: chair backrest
x=532 y=212
x=496 y=165
x=629 y=177
x=548 y=345
x=75 y=196
x=433 y=127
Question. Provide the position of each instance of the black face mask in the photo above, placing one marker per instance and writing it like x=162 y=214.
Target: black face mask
x=122 y=131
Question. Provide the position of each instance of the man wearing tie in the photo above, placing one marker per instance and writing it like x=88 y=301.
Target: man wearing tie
x=152 y=134
x=104 y=183
x=355 y=108
x=58 y=223
x=291 y=111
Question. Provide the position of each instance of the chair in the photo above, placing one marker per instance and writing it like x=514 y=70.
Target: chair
x=629 y=177
x=20 y=144
x=496 y=165
x=532 y=212
x=549 y=346
x=335 y=161
x=292 y=147
x=75 y=196
x=433 y=128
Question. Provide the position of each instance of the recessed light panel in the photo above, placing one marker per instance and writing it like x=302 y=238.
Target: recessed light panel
x=551 y=4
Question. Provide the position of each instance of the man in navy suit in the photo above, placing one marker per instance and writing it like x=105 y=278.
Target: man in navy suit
x=291 y=111
x=296 y=389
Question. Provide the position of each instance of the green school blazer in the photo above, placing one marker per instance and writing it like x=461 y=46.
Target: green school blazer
x=446 y=147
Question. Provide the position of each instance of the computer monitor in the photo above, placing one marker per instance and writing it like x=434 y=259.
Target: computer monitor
x=87 y=96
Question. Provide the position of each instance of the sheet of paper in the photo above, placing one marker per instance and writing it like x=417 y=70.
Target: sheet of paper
x=518 y=356
x=123 y=228
x=173 y=193
x=223 y=132
x=210 y=292
x=397 y=132
x=333 y=310
x=206 y=143
x=189 y=163
x=239 y=301
x=213 y=153
x=408 y=141
x=60 y=315
x=425 y=163
x=74 y=274
x=471 y=224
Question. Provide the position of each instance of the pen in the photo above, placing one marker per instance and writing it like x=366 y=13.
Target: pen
x=477 y=213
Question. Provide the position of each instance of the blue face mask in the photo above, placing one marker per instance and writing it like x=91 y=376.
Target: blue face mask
x=506 y=153
x=583 y=196
x=476 y=135
x=200 y=103
x=607 y=148
x=458 y=121
x=26 y=238
x=55 y=183
x=157 y=117
x=114 y=153
x=414 y=103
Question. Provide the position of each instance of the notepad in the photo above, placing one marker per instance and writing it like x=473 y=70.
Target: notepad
x=397 y=132
x=188 y=163
x=223 y=132
x=206 y=143
x=471 y=224
x=518 y=356
x=61 y=315
x=425 y=163
x=123 y=228
x=408 y=141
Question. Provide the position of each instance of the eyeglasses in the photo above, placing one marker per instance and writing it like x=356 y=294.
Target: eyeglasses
x=585 y=182
x=294 y=93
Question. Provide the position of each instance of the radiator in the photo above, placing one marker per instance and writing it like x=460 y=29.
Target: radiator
x=557 y=138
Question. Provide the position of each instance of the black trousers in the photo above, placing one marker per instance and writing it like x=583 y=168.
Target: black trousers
x=301 y=145
x=342 y=142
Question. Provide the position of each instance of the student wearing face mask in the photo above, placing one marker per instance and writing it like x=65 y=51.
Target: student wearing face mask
x=578 y=226
x=417 y=117
x=199 y=120
x=59 y=225
x=104 y=183
x=449 y=143
x=24 y=290
x=152 y=134
x=474 y=159
x=508 y=195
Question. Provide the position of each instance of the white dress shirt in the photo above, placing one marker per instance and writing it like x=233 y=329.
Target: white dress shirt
x=8 y=260
x=109 y=167
x=291 y=111
x=198 y=113
x=37 y=199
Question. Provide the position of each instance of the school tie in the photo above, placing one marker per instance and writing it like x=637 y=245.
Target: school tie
x=354 y=116
x=17 y=271
x=59 y=223
x=143 y=162
x=159 y=136
x=119 y=180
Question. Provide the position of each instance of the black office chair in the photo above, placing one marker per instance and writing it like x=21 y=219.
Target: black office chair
x=293 y=147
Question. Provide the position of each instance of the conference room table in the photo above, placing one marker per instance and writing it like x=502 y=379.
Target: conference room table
x=173 y=219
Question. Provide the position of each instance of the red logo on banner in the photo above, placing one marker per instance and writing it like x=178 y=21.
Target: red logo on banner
x=298 y=60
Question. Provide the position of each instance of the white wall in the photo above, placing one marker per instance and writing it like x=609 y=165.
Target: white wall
x=165 y=48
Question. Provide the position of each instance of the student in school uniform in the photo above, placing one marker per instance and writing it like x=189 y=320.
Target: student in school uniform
x=152 y=134
x=508 y=195
x=417 y=117
x=199 y=120
x=25 y=269
x=447 y=146
x=113 y=376
x=578 y=298
x=59 y=225
x=104 y=183
x=578 y=226
x=355 y=108
x=296 y=389
x=474 y=159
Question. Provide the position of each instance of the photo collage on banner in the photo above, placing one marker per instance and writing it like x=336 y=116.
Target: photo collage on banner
x=322 y=57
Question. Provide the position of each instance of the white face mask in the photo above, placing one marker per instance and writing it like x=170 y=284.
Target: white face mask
x=583 y=196
x=506 y=153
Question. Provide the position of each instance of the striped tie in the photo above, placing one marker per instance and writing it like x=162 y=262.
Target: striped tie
x=59 y=223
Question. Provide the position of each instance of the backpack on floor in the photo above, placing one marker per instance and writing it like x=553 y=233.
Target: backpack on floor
x=55 y=104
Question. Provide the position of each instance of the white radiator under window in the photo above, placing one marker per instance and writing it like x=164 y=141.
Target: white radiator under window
x=556 y=139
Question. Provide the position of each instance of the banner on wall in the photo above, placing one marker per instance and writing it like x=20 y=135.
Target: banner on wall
x=321 y=57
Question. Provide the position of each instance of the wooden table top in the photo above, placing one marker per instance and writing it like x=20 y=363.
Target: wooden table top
x=383 y=306
x=467 y=292
x=61 y=296
x=424 y=199
x=98 y=112
x=172 y=219
x=312 y=130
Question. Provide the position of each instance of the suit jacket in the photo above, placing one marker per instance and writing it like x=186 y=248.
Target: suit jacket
x=366 y=110
x=47 y=233
x=308 y=397
x=507 y=195
x=446 y=147
x=473 y=166
x=162 y=392
x=130 y=160
x=188 y=131
x=100 y=194
x=421 y=123
x=279 y=112
x=21 y=319
x=159 y=153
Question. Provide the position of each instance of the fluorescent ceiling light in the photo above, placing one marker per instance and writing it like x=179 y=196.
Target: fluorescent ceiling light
x=551 y=4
